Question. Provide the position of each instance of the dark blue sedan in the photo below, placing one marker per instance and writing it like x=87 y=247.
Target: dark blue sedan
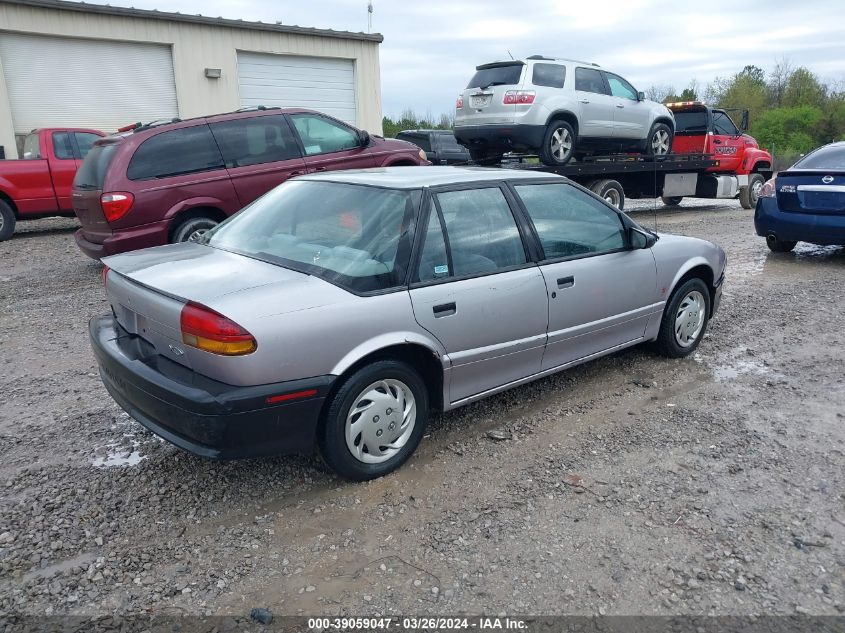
x=805 y=203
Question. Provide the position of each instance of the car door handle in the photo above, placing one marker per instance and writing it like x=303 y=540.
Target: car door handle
x=320 y=168
x=444 y=309
x=585 y=101
x=566 y=282
x=296 y=173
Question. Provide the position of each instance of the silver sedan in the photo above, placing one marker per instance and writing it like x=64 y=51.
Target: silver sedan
x=340 y=309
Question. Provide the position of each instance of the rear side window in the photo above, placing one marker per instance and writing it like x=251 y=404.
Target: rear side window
x=92 y=172
x=505 y=75
x=264 y=139
x=184 y=151
x=62 y=146
x=551 y=75
x=31 y=147
x=831 y=157
x=589 y=80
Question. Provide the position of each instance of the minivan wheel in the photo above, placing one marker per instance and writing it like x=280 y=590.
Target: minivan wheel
x=684 y=319
x=558 y=144
x=779 y=246
x=7 y=221
x=192 y=229
x=374 y=421
x=659 y=140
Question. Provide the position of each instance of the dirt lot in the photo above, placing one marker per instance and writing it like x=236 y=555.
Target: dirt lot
x=633 y=484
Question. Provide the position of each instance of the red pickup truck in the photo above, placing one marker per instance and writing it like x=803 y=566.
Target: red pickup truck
x=39 y=184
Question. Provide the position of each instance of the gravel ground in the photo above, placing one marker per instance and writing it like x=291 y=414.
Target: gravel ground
x=630 y=485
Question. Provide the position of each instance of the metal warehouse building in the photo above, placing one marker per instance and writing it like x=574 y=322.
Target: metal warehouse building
x=86 y=65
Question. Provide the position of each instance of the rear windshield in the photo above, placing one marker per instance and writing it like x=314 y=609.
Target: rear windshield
x=354 y=236
x=690 y=121
x=831 y=157
x=496 y=76
x=92 y=172
x=449 y=140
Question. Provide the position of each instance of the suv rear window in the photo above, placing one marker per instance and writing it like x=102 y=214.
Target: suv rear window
x=186 y=150
x=551 y=75
x=92 y=172
x=505 y=75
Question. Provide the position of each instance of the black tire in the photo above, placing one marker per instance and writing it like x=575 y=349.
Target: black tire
x=779 y=246
x=748 y=195
x=193 y=226
x=666 y=137
x=611 y=191
x=7 y=221
x=667 y=341
x=556 y=131
x=485 y=156
x=331 y=435
x=672 y=201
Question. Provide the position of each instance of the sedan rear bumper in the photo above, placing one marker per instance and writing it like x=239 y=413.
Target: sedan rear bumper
x=201 y=415
x=823 y=229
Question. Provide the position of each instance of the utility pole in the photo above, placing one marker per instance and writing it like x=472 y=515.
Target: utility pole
x=370 y=16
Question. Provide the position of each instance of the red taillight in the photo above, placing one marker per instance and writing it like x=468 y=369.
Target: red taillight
x=210 y=331
x=116 y=204
x=105 y=274
x=459 y=102
x=518 y=97
x=768 y=189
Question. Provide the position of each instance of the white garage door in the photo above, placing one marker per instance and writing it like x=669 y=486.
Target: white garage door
x=291 y=81
x=58 y=82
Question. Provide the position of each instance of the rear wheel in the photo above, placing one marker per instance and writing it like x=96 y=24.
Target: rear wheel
x=558 y=144
x=748 y=195
x=685 y=319
x=611 y=191
x=7 y=221
x=672 y=201
x=192 y=229
x=659 y=141
x=374 y=421
x=779 y=246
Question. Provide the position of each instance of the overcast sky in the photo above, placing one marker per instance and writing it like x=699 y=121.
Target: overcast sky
x=432 y=46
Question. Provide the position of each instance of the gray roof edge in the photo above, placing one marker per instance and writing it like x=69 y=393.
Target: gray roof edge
x=84 y=7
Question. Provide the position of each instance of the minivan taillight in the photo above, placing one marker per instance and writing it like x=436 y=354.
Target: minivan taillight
x=210 y=331
x=116 y=204
x=518 y=97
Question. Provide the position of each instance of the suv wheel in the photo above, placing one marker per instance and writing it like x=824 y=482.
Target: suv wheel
x=659 y=141
x=192 y=229
x=374 y=421
x=7 y=221
x=558 y=144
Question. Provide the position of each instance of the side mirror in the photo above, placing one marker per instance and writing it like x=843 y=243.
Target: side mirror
x=639 y=239
x=364 y=138
x=743 y=125
x=640 y=96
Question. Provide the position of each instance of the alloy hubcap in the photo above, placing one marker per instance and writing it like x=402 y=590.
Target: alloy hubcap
x=755 y=191
x=380 y=421
x=660 y=142
x=689 y=319
x=561 y=144
x=194 y=236
x=612 y=197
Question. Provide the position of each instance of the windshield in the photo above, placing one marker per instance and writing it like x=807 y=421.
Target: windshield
x=497 y=76
x=354 y=236
x=830 y=157
x=690 y=121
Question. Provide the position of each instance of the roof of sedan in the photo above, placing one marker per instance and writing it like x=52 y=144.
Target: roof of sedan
x=417 y=177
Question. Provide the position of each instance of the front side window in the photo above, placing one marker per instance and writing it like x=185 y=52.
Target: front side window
x=589 y=80
x=571 y=223
x=255 y=141
x=62 y=146
x=481 y=231
x=621 y=88
x=322 y=136
x=551 y=75
x=84 y=141
x=723 y=125
x=32 y=147
x=354 y=236
x=185 y=150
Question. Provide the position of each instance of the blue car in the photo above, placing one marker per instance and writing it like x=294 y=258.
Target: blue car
x=805 y=203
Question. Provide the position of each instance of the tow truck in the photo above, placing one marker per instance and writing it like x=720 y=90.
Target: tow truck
x=711 y=158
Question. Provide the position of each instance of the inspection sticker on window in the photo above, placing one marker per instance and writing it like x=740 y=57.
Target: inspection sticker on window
x=441 y=270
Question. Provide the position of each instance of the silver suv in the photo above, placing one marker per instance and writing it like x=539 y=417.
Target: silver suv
x=560 y=108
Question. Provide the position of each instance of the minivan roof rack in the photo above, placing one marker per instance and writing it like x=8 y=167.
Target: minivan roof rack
x=140 y=127
x=562 y=59
x=258 y=107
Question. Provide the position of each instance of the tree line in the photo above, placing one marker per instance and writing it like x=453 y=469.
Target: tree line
x=409 y=120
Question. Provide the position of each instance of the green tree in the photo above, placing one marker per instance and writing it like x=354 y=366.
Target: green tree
x=804 y=88
x=747 y=90
x=789 y=129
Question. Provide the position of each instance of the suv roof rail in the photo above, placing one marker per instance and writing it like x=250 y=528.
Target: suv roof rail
x=562 y=59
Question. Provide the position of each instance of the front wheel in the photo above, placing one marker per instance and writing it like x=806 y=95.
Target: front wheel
x=779 y=246
x=374 y=421
x=558 y=144
x=684 y=319
x=748 y=195
x=659 y=142
x=7 y=221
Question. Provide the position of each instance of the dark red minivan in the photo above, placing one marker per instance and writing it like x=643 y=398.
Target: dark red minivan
x=168 y=182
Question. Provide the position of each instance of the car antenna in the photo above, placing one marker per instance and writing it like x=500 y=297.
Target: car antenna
x=509 y=53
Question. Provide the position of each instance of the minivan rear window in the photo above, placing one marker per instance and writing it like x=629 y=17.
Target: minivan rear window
x=185 y=150
x=92 y=172
x=486 y=76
